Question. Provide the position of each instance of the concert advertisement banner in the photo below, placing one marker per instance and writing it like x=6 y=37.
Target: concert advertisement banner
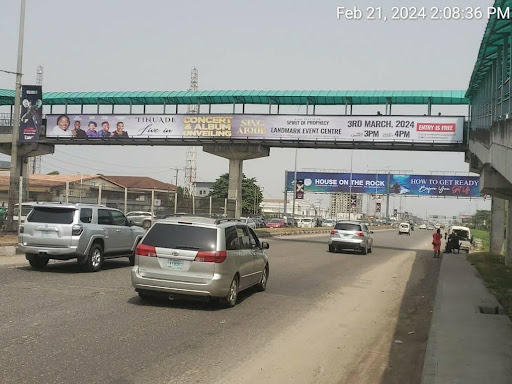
x=413 y=129
x=31 y=112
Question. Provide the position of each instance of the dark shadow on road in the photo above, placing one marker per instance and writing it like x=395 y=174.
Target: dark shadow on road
x=189 y=303
x=406 y=356
x=72 y=267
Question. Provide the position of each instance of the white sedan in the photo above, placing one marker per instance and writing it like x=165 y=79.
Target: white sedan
x=250 y=222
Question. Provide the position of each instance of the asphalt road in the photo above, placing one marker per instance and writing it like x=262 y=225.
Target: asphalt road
x=65 y=326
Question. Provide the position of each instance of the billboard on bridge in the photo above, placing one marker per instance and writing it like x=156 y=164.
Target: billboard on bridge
x=414 y=185
x=406 y=129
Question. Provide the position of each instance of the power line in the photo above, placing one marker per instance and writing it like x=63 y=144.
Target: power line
x=102 y=162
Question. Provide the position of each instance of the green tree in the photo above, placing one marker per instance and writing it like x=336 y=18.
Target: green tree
x=251 y=193
x=54 y=173
x=482 y=219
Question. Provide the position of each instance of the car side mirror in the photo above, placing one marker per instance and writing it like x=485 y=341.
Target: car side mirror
x=265 y=245
x=131 y=223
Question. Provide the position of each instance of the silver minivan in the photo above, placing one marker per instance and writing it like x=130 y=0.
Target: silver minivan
x=198 y=256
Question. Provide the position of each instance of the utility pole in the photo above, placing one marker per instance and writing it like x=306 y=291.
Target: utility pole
x=191 y=156
x=350 y=187
x=14 y=181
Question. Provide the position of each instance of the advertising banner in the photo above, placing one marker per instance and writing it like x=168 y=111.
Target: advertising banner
x=31 y=111
x=299 y=191
x=323 y=182
x=435 y=185
x=414 y=185
x=438 y=129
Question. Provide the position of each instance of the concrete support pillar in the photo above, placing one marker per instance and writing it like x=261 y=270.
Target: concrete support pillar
x=236 y=154
x=497 y=225
x=508 y=247
x=235 y=184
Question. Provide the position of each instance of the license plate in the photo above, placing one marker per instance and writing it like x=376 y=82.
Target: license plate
x=175 y=264
x=48 y=234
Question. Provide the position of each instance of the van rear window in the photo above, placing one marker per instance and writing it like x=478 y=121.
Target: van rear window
x=347 y=227
x=177 y=236
x=51 y=215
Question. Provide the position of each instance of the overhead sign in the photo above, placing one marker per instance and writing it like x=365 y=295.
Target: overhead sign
x=323 y=182
x=407 y=129
x=31 y=110
x=435 y=185
x=415 y=185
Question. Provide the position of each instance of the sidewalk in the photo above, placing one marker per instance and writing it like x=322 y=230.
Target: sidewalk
x=464 y=345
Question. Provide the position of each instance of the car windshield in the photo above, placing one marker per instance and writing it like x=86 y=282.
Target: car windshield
x=275 y=220
x=51 y=215
x=182 y=237
x=347 y=227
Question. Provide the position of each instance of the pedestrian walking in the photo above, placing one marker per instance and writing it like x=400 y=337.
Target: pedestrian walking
x=436 y=242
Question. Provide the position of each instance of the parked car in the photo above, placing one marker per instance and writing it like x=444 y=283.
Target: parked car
x=248 y=221
x=199 y=256
x=141 y=218
x=306 y=222
x=422 y=226
x=276 y=223
x=88 y=233
x=25 y=210
x=351 y=235
x=404 y=228
x=328 y=223
x=430 y=228
x=260 y=223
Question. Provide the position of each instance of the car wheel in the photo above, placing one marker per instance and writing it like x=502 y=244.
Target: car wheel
x=370 y=250
x=331 y=248
x=262 y=285
x=146 y=224
x=95 y=259
x=364 y=251
x=37 y=262
x=229 y=300
x=143 y=295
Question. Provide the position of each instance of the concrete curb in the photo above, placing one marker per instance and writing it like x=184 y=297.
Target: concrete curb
x=268 y=233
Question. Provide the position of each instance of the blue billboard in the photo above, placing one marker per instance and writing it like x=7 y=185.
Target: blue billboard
x=371 y=183
x=321 y=182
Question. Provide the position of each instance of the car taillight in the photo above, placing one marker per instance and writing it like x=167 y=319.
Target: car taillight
x=145 y=250
x=360 y=234
x=211 y=256
x=334 y=232
x=77 y=230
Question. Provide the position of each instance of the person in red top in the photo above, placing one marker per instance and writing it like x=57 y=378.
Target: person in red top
x=436 y=242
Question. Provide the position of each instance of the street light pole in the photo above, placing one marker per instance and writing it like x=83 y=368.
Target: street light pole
x=294 y=187
x=14 y=182
x=350 y=187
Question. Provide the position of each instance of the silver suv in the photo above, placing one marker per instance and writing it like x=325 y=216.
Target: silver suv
x=199 y=256
x=351 y=235
x=88 y=233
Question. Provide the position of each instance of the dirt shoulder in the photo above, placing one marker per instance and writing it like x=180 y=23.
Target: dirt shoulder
x=350 y=337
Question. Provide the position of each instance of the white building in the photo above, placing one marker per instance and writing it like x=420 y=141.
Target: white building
x=341 y=206
x=303 y=208
x=203 y=188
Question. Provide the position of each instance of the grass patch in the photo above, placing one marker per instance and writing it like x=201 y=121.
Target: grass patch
x=497 y=276
x=482 y=235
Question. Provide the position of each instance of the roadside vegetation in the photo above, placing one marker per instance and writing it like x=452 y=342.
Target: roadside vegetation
x=497 y=276
x=483 y=235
